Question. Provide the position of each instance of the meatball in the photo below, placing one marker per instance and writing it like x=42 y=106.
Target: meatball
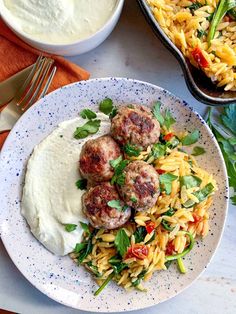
x=135 y=125
x=95 y=156
x=141 y=187
x=99 y=213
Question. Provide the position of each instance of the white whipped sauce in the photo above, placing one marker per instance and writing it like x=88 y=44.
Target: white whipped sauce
x=50 y=197
x=58 y=21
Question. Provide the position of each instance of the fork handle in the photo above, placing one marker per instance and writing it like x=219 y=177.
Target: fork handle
x=8 y=117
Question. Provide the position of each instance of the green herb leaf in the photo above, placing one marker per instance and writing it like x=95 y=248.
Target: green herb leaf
x=223 y=7
x=229 y=117
x=233 y=199
x=79 y=247
x=87 y=247
x=168 y=119
x=115 y=204
x=118 y=165
x=166 y=180
x=81 y=184
x=106 y=106
x=90 y=127
x=158 y=150
x=157 y=113
x=140 y=234
x=85 y=227
x=164 y=222
x=117 y=264
x=190 y=181
x=201 y=33
x=204 y=192
x=115 y=162
x=139 y=279
x=131 y=150
x=122 y=242
x=88 y=114
x=197 y=150
x=133 y=199
x=93 y=269
x=191 y=138
x=193 y=7
x=173 y=142
x=70 y=227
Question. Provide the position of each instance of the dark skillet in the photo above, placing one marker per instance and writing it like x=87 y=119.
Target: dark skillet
x=198 y=83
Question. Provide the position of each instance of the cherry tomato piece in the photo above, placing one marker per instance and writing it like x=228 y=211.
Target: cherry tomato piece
x=150 y=226
x=199 y=57
x=168 y=136
x=160 y=171
x=137 y=250
x=170 y=248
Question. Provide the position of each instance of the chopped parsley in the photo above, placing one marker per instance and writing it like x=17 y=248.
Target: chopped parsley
x=191 y=138
x=122 y=242
x=131 y=150
x=165 y=120
x=197 y=150
x=70 y=227
x=90 y=127
x=117 y=205
x=81 y=184
x=166 y=181
x=118 y=165
x=88 y=114
x=106 y=106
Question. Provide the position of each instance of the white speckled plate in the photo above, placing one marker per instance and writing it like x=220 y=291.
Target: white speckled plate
x=58 y=277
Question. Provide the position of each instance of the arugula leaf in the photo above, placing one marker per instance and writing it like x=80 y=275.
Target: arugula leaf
x=201 y=33
x=164 y=222
x=166 y=180
x=115 y=204
x=140 y=234
x=90 y=127
x=106 y=106
x=229 y=118
x=88 y=114
x=157 y=113
x=204 y=192
x=85 y=227
x=169 y=119
x=140 y=278
x=197 y=151
x=117 y=264
x=85 y=248
x=190 y=181
x=191 y=138
x=94 y=269
x=81 y=184
x=131 y=150
x=223 y=7
x=70 y=227
x=201 y=195
x=193 y=7
x=122 y=242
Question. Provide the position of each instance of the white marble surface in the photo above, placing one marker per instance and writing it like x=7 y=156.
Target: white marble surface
x=133 y=51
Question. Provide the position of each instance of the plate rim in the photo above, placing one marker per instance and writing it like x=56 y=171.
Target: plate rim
x=223 y=166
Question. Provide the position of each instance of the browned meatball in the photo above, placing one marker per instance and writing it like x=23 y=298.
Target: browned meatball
x=141 y=187
x=136 y=125
x=97 y=210
x=95 y=156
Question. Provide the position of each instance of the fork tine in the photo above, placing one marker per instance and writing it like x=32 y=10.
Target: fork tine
x=38 y=85
x=30 y=87
x=47 y=84
x=21 y=91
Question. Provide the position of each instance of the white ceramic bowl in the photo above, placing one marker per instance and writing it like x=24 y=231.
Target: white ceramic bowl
x=76 y=48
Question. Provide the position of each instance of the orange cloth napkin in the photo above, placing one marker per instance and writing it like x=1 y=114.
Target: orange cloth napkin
x=15 y=55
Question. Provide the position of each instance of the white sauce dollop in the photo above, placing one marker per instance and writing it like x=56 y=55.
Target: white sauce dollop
x=58 y=21
x=50 y=197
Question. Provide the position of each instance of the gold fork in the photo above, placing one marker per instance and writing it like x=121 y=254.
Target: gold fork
x=34 y=88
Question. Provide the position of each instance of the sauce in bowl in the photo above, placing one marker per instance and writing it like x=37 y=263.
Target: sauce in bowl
x=58 y=21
